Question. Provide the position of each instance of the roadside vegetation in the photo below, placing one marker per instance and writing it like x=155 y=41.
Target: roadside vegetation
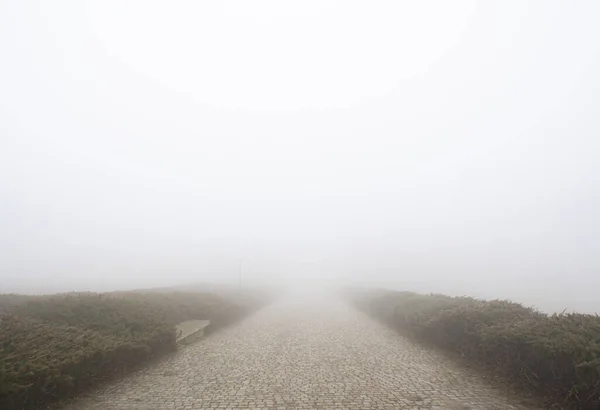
x=556 y=355
x=52 y=347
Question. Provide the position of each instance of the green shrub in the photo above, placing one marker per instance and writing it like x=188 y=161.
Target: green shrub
x=53 y=346
x=558 y=355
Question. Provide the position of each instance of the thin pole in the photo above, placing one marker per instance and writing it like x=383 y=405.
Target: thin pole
x=240 y=273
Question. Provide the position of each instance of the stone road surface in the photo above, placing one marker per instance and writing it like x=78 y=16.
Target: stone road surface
x=296 y=353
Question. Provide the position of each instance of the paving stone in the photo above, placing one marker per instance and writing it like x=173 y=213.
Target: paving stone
x=299 y=354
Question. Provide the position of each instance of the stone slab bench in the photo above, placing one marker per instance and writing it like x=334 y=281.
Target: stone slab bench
x=190 y=330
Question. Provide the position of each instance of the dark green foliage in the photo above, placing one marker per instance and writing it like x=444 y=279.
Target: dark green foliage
x=53 y=346
x=557 y=355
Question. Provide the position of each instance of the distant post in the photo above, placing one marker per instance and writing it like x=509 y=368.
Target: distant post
x=240 y=272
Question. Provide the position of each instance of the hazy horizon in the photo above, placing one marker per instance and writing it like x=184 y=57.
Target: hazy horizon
x=432 y=146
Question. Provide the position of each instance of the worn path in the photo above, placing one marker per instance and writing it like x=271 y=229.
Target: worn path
x=317 y=354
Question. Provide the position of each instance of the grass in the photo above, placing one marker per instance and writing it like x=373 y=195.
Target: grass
x=52 y=347
x=556 y=355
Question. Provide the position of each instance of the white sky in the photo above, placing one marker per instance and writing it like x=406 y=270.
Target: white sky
x=435 y=146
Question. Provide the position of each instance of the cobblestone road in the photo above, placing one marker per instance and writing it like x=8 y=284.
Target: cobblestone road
x=299 y=354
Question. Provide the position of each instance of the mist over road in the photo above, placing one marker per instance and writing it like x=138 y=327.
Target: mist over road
x=304 y=352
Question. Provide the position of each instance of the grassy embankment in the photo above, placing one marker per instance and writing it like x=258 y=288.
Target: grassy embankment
x=556 y=355
x=52 y=347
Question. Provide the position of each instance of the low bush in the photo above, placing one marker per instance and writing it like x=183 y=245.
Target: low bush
x=557 y=355
x=53 y=346
x=10 y=300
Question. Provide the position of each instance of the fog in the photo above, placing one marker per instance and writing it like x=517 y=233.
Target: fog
x=430 y=146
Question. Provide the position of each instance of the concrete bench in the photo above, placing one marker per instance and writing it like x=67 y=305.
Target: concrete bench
x=190 y=330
